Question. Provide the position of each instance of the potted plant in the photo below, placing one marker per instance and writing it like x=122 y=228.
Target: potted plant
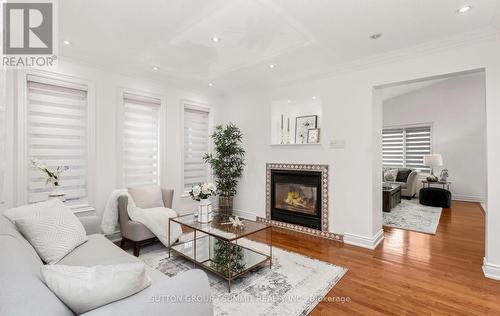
x=227 y=162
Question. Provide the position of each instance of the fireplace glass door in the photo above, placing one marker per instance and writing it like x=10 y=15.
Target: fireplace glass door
x=296 y=197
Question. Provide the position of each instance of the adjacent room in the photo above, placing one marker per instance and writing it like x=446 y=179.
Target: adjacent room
x=243 y=157
x=433 y=149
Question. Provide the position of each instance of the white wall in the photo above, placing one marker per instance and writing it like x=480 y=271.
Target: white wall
x=3 y=142
x=349 y=114
x=107 y=86
x=456 y=109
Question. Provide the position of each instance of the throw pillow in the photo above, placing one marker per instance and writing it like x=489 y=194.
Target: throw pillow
x=403 y=175
x=53 y=232
x=390 y=175
x=147 y=196
x=31 y=210
x=85 y=288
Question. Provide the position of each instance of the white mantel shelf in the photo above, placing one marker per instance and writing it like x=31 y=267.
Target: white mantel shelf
x=296 y=145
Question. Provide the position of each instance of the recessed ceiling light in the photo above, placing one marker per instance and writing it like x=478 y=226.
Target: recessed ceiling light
x=215 y=39
x=66 y=42
x=272 y=66
x=313 y=97
x=156 y=68
x=211 y=84
x=464 y=9
x=376 y=36
x=289 y=101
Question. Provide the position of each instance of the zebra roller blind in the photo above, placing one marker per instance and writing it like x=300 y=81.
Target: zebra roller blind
x=57 y=136
x=141 y=140
x=406 y=147
x=196 y=144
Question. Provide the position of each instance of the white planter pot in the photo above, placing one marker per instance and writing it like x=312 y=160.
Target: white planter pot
x=205 y=211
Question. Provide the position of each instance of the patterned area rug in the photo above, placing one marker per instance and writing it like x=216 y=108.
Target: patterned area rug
x=294 y=285
x=411 y=215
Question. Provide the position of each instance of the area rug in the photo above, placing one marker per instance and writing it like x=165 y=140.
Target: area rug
x=293 y=286
x=411 y=215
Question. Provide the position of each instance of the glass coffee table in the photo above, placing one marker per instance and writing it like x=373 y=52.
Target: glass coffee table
x=219 y=247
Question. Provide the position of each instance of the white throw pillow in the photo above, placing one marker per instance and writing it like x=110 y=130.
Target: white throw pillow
x=85 y=288
x=31 y=210
x=390 y=175
x=147 y=196
x=50 y=227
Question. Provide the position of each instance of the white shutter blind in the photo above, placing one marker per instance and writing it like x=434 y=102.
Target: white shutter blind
x=195 y=146
x=392 y=148
x=418 y=144
x=406 y=147
x=57 y=136
x=141 y=140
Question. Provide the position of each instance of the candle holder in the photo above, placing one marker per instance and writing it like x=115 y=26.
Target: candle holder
x=288 y=131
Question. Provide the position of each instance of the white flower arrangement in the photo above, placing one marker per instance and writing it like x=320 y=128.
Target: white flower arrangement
x=53 y=176
x=202 y=191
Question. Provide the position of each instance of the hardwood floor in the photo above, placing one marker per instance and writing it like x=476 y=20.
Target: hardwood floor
x=409 y=273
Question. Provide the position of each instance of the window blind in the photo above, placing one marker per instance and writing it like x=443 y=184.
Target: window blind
x=418 y=144
x=393 y=148
x=141 y=140
x=196 y=145
x=406 y=147
x=57 y=136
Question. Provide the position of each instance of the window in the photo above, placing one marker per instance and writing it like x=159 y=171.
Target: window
x=140 y=140
x=406 y=147
x=57 y=135
x=196 y=145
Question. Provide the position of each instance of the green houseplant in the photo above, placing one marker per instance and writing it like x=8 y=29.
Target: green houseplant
x=227 y=162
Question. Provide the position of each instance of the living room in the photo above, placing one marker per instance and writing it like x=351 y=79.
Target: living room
x=421 y=138
x=136 y=97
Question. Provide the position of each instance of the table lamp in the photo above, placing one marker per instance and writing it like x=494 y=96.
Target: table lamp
x=434 y=160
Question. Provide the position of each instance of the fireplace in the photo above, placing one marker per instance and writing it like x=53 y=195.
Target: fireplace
x=296 y=197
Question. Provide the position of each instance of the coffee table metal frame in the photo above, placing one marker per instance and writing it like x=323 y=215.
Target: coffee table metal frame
x=230 y=241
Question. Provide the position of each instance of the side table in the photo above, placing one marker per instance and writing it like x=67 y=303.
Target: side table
x=444 y=184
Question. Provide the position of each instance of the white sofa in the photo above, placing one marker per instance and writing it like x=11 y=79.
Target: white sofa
x=23 y=293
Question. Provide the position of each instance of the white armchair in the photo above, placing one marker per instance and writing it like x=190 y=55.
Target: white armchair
x=408 y=187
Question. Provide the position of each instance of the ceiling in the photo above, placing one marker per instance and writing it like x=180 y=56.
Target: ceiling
x=402 y=89
x=301 y=37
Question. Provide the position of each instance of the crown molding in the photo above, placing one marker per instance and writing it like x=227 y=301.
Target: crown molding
x=461 y=40
x=191 y=85
x=478 y=36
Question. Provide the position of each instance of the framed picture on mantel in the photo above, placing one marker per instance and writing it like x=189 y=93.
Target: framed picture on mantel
x=302 y=125
x=313 y=136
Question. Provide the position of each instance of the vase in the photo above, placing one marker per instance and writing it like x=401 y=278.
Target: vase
x=225 y=205
x=58 y=193
x=205 y=211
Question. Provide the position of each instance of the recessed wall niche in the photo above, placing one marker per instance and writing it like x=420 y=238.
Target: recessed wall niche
x=295 y=116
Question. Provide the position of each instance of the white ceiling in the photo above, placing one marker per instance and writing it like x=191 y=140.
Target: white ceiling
x=402 y=89
x=302 y=37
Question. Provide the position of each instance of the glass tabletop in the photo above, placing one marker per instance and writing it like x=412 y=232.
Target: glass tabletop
x=221 y=226
x=389 y=186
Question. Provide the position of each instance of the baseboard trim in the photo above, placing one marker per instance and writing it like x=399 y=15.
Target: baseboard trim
x=364 y=242
x=245 y=214
x=468 y=198
x=483 y=207
x=490 y=270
